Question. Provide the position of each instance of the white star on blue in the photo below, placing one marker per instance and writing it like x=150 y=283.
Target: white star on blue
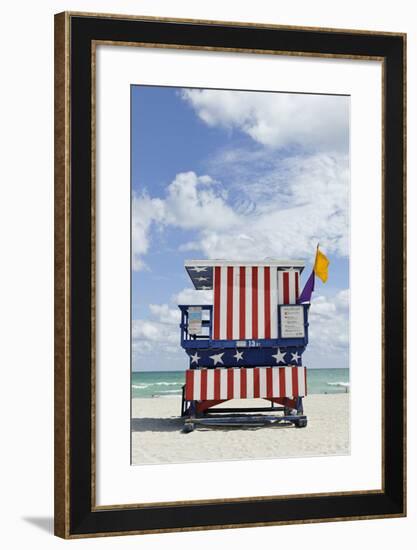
x=217 y=358
x=238 y=356
x=279 y=356
x=195 y=358
x=295 y=357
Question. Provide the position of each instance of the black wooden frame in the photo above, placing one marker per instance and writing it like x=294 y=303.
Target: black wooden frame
x=76 y=515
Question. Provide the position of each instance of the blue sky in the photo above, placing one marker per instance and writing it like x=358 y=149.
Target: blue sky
x=232 y=174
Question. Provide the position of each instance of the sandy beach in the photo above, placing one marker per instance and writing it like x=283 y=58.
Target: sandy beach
x=157 y=437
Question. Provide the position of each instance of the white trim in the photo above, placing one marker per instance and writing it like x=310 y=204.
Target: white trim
x=261 y=302
x=301 y=382
x=249 y=383
x=223 y=303
x=275 y=380
x=197 y=384
x=236 y=383
x=258 y=263
x=236 y=303
x=288 y=382
x=273 y=293
x=248 y=302
x=223 y=383
x=210 y=383
x=262 y=382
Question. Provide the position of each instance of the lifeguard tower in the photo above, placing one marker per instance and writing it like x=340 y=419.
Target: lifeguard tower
x=248 y=344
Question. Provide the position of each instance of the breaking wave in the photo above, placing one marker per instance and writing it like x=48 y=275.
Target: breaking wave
x=339 y=384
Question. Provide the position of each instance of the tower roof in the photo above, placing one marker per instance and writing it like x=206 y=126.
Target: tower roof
x=201 y=271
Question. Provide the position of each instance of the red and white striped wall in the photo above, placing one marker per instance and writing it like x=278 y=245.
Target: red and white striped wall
x=288 y=287
x=245 y=383
x=246 y=299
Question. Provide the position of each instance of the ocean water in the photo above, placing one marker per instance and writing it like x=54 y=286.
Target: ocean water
x=165 y=384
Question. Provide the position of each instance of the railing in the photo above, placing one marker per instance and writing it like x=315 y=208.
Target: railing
x=206 y=323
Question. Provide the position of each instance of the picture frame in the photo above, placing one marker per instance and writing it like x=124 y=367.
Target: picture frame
x=76 y=512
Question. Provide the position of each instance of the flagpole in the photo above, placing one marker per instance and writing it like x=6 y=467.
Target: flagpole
x=315 y=259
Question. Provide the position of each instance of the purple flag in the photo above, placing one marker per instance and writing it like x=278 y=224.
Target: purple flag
x=305 y=295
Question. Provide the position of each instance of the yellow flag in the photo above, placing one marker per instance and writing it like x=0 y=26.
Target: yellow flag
x=321 y=266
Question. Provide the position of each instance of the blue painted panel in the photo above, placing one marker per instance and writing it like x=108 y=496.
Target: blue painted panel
x=245 y=357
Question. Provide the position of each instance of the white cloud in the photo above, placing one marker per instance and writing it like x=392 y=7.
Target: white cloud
x=156 y=344
x=277 y=120
x=193 y=296
x=154 y=331
x=328 y=332
x=265 y=204
x=295 y=203
x=165 y=314
x=157 y=340
x=329 y=323
x=145 y=211
x=161 y=331
x=191 y=202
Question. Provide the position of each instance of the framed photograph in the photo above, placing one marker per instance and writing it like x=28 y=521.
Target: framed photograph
x=229 y=275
